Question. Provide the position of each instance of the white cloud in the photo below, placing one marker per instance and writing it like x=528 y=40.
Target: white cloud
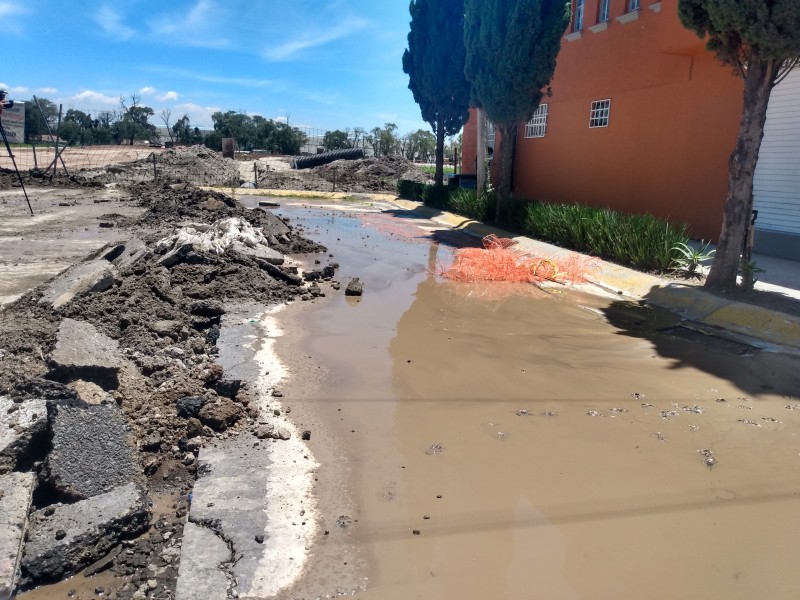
x=47 y=90
x=111 y=22
x=10 y=9
x=95 y=98
x=14 y=90
x=199 y=27
x=312 y=39
x=147 y=91
x=199 y=116
x=283 y=119
x=173 y=96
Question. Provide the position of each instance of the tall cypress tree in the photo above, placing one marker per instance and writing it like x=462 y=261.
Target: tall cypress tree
x=434 y=62
x=760 y=39
x=511 y=56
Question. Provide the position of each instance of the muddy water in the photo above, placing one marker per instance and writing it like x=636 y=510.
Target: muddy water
x=513 y=443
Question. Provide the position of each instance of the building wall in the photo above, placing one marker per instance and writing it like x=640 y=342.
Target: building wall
x=673 y=121
x=777 y=177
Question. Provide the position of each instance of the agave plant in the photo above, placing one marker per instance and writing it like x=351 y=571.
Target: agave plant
x=689 y=259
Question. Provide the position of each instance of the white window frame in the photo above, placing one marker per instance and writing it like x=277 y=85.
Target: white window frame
x=537 y=126
x=633 y=5
x=604 y=11
x=577 y=22
x=600 y=113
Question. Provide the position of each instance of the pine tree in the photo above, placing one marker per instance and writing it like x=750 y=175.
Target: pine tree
x=434 y=62
x=511 y=56
x=760 y=39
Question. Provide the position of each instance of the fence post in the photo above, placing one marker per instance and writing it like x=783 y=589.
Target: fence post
x=35 y=162
x=155 y=172
x=255 y=174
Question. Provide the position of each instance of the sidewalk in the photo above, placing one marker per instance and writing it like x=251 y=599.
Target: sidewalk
x=761 y=321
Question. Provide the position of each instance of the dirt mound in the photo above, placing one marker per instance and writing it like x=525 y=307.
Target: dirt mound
x=358 y=176
x=193 y=164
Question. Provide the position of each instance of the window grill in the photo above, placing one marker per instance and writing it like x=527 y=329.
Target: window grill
x=602 y=16
x=577 y=24
x=537 y=126
x=598 y=116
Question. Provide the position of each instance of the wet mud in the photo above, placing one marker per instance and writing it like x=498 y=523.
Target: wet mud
x=510 y=442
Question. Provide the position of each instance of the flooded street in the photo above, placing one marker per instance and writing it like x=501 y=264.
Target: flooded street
x=497 y=441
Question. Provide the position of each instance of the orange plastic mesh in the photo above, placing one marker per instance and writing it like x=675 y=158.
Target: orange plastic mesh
x=502 y=260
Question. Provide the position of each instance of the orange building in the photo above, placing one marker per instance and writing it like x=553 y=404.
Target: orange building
x=642 y=118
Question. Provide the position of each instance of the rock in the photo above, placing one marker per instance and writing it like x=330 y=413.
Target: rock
x=15 y=499
x=306 y=435
x=45 y=389
x=194 y=428
x=82 y=352
x=221 y=414
x=315 y=290
x=89 y=392
x=269 y=431
x=86 y=278
x=152 y=443
x=312 y=275
x=207 y=308
x=189 y=406
x=23 y=425
x=260 y=251
x=92 y=528
x=328 y=271
x=91 y=452
x=128 y=254
x=354 y=288
x=166 y=328
x=201 y=548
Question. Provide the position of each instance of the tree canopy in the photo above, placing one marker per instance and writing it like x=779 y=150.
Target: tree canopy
x=434 y=62
x=511 y=48
x=761 y=40
x=335 y=140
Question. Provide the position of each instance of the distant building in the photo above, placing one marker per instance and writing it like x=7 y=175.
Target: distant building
x=642 y=119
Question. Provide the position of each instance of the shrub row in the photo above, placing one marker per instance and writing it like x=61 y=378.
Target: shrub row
x=642 y=241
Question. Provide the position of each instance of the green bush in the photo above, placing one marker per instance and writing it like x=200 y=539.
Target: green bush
x=642 y=241
x=410 y=190
x=435 y=196
x=470 y=204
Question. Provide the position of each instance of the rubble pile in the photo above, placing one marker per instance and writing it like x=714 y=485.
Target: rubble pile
x=109 y=385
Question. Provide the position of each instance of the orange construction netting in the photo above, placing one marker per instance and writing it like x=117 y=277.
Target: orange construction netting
x=501 y=259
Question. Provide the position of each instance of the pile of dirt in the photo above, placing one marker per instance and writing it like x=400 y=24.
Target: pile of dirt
x=378 y=175
x=39 y=178
x=196 y=165
x=160 y=314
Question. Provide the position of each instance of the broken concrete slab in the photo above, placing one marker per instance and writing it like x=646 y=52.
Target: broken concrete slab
x=82 y=352
x=230 y=494
x=126 y=255
x=262 y=252
x=64 y=538
x=22 y=424
x=15 y=499
x=91 y=450
x=86 y=278
x=202 y=571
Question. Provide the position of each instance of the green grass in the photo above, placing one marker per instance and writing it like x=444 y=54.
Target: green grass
x=431 y=170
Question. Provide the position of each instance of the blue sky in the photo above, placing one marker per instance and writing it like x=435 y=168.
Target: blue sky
x=330 y=64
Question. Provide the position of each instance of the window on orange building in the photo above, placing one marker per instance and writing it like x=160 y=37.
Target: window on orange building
x=600 y=112
x=633 y=5
x=537 y=126
x=577 y=23
x=602 y=13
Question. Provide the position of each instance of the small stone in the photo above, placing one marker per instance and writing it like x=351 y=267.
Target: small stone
x=61 y=534
x=354 y=288
x=306 y=435
x=152 y=584
x=260 y=539
x=416 y=531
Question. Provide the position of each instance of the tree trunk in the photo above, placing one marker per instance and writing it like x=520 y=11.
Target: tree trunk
x=507 y=144
x=758 y=83
x=480 y=153
x=439 y=175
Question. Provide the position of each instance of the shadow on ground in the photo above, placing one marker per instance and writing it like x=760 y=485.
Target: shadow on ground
x=712 y=350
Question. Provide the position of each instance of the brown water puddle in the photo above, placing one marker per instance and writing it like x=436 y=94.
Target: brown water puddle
x=496 y=445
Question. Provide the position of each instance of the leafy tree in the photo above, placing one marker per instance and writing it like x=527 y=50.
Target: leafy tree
x=236 y=125
x=286 y=139
x=36 y=122
x=760 y=39
x=511 y=56
x=77 y=127
x=420 y=144
x=335 y=140
x=134 y=123
x=434 y=62
x=384 y=141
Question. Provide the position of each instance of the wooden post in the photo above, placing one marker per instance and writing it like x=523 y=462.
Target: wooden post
x=255 y=174
x=155 y=172
x=35 y=162
x=227 y=147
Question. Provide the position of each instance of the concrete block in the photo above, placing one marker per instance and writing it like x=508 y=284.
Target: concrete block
x=261 y=251
x=82 y=352
x=200 y=575
x=91 y=451
x=86 y=278
x=21 y=425
x=15 y=499
x=64 y=538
